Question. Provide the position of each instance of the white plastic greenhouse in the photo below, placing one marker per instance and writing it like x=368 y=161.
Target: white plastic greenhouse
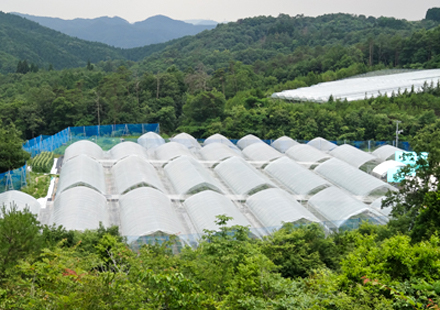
x=295 y=177
x=248 y=140
x=354 y=180
x=322 y=144
x=82 y=171
x=283 y=144
x=127 y=148
x=241 y=177
x=20 y=201
x=218 y=138
x=363 y=87
x=187 y=140
x=151 y=140
x=377 y=204
x=205 y=206
x=355 y=157
x=148 y=212
x=307 y=155
x=83 y=147
x=381 y=170
x=261 y=152
x=273 y=207
x=386 y=152
x=135 y=171
x=171 y=150
x=218 y=152
x=80 y=208
x=188 y=176
x=334 y=204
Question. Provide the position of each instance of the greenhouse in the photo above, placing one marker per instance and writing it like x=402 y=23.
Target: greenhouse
x=82 y=171
x=322 y=144
x=381 y=170
x=307 y=155
x=188 y=176
x=150 y=140
x=386 y=152
x=83 y=147
x=359 y=88
x=19 y=200
x=127 y=148
x=273 y=207
x=171 y=150
x=377 y=204
x=248 y=140
x=218 y=152
x=355 y=157
x=354 y=180
x=283 y=144
x=243 y=178
x=295 y=177
x=218 y=138
x=80 y=208
x=261 y=152
x=203 y=208
x=133 y=172
x=342 y=210
x=148 y=212
x=187 y=140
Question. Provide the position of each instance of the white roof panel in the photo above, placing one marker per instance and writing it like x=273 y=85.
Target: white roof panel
x=83 y=147
x=20 y=200
x=283 y=144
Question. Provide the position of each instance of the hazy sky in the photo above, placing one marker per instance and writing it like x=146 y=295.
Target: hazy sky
x=219 y=10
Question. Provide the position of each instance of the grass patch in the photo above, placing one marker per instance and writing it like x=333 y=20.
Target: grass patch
x=38 y=185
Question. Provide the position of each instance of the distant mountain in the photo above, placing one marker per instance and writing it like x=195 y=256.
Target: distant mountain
x=118 y=32
x=22 y=39
x=201 y=22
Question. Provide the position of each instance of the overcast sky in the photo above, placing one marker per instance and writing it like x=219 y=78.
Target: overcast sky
x=218 y=10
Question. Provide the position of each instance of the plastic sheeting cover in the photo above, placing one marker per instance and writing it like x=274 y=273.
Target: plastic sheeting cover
x=386 y=152
x=82 y=171
x=354 y=180
x=338 y=207
x=218 y=138
x=282 y=144
x=295 y=177
x=273 y=207
x=171 y=150
x=261 y=152
x=20 y=200
x=204 y=207
x=150 y=140
x=248 y=140
x=80 y=208
x=377 y=204
x=307 y=155
x=187 y=140
x=188 y=176
x=83 y=147
x=134 y=171
x=243 y=178
x=218 y=151
x=353 y=155
x=127 y=148
x=145 y=211
x=381 y=171
x=322 y=144
x=361 y=87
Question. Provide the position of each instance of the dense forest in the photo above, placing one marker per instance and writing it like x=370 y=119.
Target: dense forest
x=220 y=81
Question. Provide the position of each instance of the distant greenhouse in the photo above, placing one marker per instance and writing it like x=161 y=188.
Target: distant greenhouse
x=359 y=88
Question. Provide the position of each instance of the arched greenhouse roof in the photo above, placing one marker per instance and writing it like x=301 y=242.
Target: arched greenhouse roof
x=151 y=140
x=381 y=170
x=19 y=200
x=135 y=171
x=386 y=152
x=282 y=144
x=218 y=151
x=83 y=147
x=248 y=140
x=124 y=149
x=307 y=155
x=171 y=150
x=218 y=138
x=261 y=152
x=80 y=208
x=187 y=140
x=273 y=207
x=322 y=144
x=354 y=156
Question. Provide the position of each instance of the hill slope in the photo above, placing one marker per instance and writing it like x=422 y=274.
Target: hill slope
x=119 y=32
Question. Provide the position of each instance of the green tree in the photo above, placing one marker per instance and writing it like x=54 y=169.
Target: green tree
x=12 y=155
x=206 y=105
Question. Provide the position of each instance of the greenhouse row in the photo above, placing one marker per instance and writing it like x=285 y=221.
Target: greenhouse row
x=157 y=188
x=359 y=88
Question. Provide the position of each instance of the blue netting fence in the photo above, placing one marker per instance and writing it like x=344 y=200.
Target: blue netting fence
x=51 y=143
x=13 y=179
